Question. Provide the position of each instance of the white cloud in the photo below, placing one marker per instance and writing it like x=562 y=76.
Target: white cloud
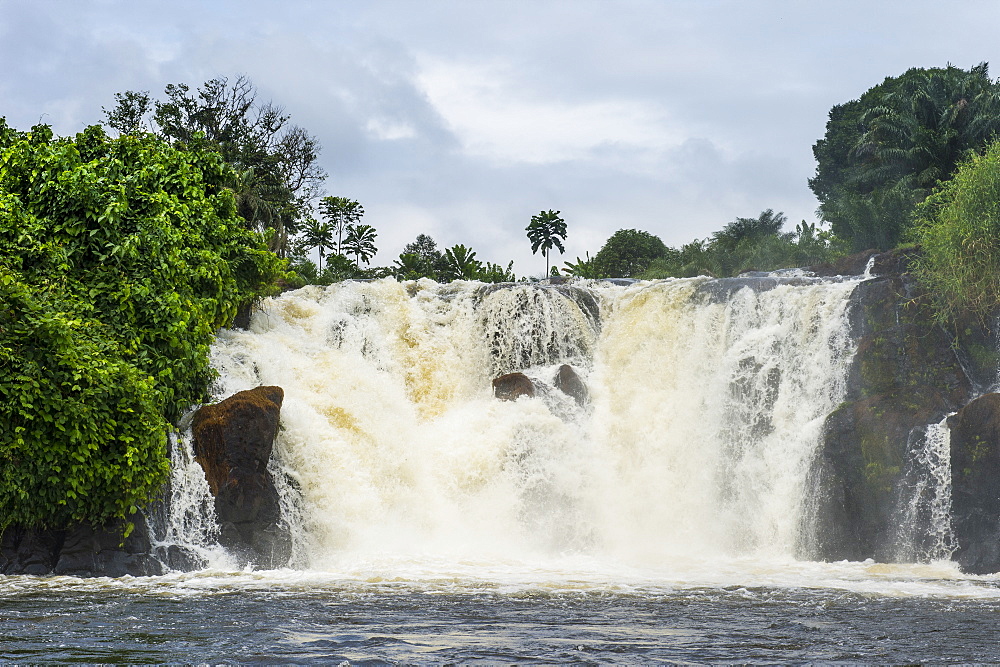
x=497 y=115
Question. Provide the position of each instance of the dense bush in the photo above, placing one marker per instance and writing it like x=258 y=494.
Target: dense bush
x=627 y=253
x=959 y=231
x=119 y=259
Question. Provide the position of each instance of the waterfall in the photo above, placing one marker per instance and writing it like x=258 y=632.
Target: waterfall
x=925 y=528
x=707 y=403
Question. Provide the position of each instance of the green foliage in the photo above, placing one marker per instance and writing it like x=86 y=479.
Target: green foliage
x=118 y=261
x=494 y=273
x=959 y=232
x=747 y=244
x=341 y=213
x=460 y=263
x=883 y=153
x=419 y=259
x=583 y=268
x=276 y=165
x=360 y=242
x=627 y=253
x=545 y=231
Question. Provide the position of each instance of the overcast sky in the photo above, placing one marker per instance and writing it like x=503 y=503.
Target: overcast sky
x=462 y=119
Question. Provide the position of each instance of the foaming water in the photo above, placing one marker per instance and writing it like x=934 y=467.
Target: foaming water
x=707 y=401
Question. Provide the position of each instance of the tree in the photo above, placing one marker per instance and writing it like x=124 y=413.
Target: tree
x=254 y=137
x=360 y=242
x=627 y=253
x=341 y=213
x=583 y=268
x=883 y=153
x=318 y=235
x=461 y=263
x=546 y=230
x=424 y=247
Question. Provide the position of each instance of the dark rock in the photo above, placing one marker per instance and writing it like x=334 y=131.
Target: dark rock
x=513 y=385
x=243 y=315
x=569 y=383
x=895 y=262
x=975 y=475
x=27 y=551
x=89 y=551
x=852 y=265
x=82 y=550
x=904 y=376
x=179 y=558
x=233 y=440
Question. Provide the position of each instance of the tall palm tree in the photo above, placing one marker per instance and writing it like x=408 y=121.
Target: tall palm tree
x=317 y=234
x=341 y=213
x=360 y=242
x=546 y=230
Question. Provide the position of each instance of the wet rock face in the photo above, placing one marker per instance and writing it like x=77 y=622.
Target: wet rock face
x=233 y=440
x=82 y=551
x=511 y=386
x=975 y=478
x=904 y=376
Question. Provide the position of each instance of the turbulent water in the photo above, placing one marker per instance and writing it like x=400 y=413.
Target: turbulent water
x=666 y=518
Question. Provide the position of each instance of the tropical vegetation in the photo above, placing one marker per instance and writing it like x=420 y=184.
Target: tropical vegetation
x=119 y=259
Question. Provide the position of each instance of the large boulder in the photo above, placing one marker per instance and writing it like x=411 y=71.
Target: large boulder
x=512 y=386
x=233 y=440
x=975 y=484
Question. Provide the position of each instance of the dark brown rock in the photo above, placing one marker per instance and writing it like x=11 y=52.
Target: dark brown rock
x=511 y=386
x=975 y=475
x=233 y=440
x=569 y=383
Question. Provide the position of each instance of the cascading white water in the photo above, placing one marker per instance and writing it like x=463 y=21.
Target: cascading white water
x=707 y=405
x=187 y=517
x=925 y=527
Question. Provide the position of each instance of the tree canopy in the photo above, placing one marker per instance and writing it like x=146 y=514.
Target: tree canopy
x=277 y=172
x=883 y=153
x=627 y=253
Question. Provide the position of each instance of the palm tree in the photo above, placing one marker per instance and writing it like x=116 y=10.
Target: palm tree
x=461 y=263
x=360 y=242
x=547 y=229
x=318 y=235
x=341 y=213
x=583 y=268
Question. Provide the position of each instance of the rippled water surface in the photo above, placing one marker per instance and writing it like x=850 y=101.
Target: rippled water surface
x=432 y=614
